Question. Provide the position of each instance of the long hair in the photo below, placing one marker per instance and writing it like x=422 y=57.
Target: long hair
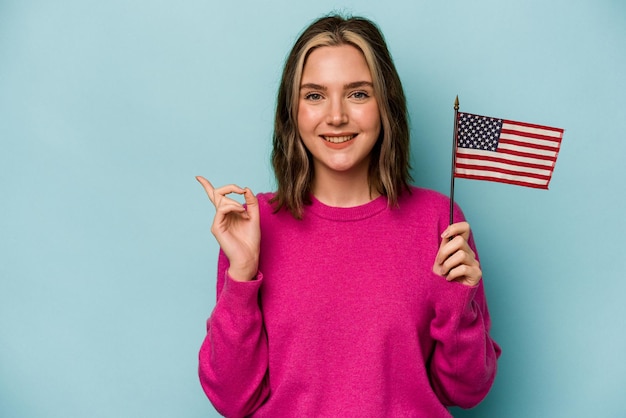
x=389 y=171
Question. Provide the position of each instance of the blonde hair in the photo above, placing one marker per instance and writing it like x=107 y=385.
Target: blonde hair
x=389 y=171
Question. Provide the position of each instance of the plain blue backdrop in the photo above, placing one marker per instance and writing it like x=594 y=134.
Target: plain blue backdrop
x=109 y=109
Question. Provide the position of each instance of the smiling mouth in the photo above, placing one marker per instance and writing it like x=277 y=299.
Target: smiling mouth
x=338 y=139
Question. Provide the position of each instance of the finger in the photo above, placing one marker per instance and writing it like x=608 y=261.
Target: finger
x=448 y=247
x=227 y=205
x=208 y=188
x=249 y=196
x=457 y=272
x=459 y=228
x=458 y=259
x=215 y=193
x=453 y=253
x=225 y=213
x=465 y=274
x=252 y=203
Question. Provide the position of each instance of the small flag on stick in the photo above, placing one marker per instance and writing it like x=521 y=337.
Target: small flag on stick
x=505 y=151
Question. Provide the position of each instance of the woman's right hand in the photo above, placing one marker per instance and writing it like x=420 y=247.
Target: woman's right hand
x=236 y=228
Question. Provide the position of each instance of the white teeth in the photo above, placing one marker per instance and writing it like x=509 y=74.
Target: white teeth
x=338 y=139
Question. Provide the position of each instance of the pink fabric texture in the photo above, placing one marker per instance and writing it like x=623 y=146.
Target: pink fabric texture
x=346 y=318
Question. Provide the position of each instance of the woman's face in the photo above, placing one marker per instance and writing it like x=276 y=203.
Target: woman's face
x=338 y=115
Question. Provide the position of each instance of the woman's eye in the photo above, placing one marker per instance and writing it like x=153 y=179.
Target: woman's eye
x=360 y=95
x=313 y=96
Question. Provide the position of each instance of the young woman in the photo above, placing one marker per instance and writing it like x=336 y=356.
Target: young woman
x=344 y=293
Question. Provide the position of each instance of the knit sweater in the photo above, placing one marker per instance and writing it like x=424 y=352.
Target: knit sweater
x=346 y=318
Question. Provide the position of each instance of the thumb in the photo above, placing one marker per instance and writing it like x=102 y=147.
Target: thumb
x=252 y=203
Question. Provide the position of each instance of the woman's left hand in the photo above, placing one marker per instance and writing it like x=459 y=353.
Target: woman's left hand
x=455 y=260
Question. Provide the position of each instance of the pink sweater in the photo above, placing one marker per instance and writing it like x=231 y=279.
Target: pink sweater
x=346 y=319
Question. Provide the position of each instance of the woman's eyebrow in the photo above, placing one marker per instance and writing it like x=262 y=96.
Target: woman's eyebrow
x=353 y=85
x=313 y=86
x=357 y=84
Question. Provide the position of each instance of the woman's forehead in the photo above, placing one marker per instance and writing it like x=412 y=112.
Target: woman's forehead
x=342 y=65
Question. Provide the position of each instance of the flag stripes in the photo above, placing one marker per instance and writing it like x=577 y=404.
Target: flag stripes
x=506 y=151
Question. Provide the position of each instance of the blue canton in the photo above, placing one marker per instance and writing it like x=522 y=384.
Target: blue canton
x=479 y=132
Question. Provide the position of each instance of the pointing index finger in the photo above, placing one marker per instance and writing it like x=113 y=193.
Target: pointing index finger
x=208 y=188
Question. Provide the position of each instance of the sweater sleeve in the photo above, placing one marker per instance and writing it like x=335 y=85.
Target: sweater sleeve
x=233 y=358
x=463 y=363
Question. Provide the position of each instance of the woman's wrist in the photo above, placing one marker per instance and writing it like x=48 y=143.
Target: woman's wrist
x=242 y=274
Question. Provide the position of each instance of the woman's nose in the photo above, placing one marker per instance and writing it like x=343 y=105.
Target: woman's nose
x=337 y=113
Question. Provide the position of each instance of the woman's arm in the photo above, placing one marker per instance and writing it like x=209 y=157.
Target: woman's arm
x=233 y=358
x=463 y=363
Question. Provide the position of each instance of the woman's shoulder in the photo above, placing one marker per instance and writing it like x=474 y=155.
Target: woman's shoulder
x=274 y=219
x=265 y=196
x=423 y=197
x=431 y=203
x=268 y=207
x=265 y=201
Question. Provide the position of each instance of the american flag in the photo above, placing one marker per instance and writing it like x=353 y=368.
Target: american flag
x=506 y=151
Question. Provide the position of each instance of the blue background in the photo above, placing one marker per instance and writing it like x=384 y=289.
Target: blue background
x=109 y=109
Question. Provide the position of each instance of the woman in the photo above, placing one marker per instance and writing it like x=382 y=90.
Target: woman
x=345 y=292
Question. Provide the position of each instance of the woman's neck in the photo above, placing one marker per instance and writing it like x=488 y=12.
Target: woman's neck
x=343 y=191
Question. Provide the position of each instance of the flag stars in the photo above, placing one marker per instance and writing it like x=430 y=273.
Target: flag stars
x=478 y=132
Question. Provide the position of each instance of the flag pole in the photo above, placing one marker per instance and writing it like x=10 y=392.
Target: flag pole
x=454 y=145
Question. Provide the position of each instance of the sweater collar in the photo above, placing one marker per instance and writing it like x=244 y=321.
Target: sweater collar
x=353 y=213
